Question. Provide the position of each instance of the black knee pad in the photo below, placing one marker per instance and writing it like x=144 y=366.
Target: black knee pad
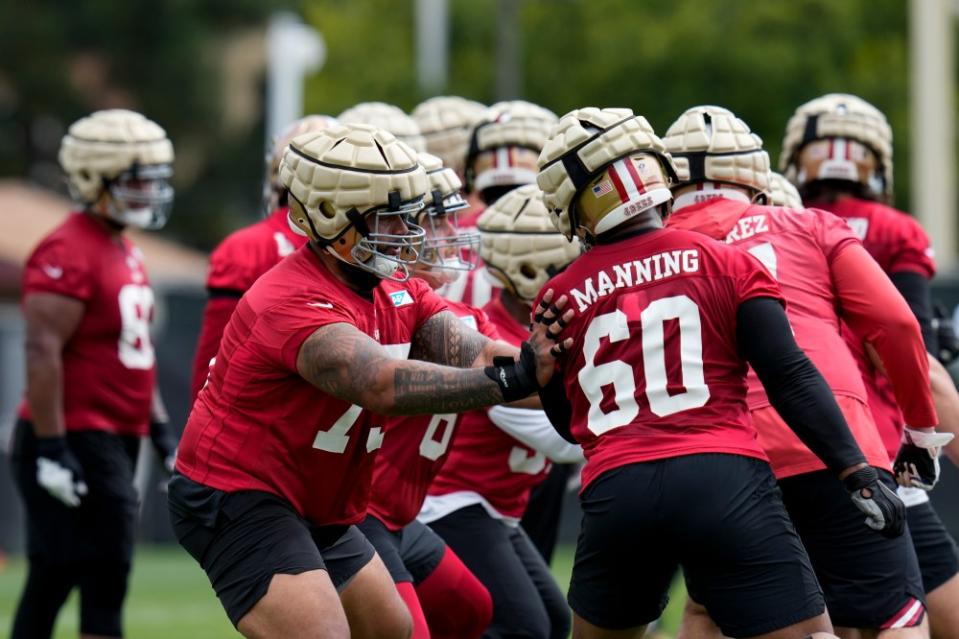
x=103 y=587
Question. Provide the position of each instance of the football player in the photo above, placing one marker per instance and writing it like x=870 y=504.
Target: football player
x=499 y=455
x=655 y=390
x=91 y=375
x=445 y=599
x=250 y=252
x=871 y=582
x=388 y=118
x=275 y=462
x=500 y=157
x=838 y=152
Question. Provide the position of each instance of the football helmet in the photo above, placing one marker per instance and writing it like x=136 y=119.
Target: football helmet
x=446 y=247
x=353 y=190
x=519 y=242
x=839 y=137
x=387 y=117
x=504 y=146
x=782 y=193
x=274 y=195
x=710 y=144
x=600 y=168
x=446 y=122
x=125 y=156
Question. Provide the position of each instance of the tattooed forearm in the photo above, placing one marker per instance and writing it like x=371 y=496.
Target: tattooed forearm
x=445 y=339
x=437 y=389
x=344 y=362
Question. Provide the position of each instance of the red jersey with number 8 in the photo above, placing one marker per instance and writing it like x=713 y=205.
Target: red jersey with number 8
x=654 y=371
x=486 y=459
x=415 y=449
x=109 y=365
x=258 y=425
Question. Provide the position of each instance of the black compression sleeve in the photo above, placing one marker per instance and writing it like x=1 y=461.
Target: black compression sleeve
x=795 y=387
x=915 y=288
x=557 y=407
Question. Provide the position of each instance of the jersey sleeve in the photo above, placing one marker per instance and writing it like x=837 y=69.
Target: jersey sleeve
x=832 y=233
x=231 y=267
x=752 y=279
x=428 y=303
x=913 y=252
x=55 y=267
x=281 y=331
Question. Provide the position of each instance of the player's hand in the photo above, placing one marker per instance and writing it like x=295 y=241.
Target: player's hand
x=917 y=464
x=164 y=443
x=58 y=471
x=884 y=510
x=549 y=320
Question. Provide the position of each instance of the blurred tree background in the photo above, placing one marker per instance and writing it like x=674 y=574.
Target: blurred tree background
x=198 y=69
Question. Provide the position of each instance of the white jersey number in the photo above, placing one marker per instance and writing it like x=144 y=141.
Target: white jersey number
x=431 y=448
x=136 y=308
x=336 y=439
x=526 y=461
x=615 y=327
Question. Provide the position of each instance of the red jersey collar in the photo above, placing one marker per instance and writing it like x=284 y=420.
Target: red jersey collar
x=714 y=218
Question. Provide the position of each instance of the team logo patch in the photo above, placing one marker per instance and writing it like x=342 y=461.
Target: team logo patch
x=401 y=298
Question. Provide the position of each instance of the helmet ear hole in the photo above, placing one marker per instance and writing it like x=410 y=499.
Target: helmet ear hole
x=327 y=210
x=527 y=270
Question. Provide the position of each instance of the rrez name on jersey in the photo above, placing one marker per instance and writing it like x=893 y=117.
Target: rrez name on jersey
x=746 y=227
x=650 y=269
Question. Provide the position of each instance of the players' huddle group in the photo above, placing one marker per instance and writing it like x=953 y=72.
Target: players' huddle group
x=438 y=307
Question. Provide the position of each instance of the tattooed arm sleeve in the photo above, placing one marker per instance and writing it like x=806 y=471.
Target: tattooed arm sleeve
x=346 y=363
x=445 y=339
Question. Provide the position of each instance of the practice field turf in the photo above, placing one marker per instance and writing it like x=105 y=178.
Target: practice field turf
x=171 y=597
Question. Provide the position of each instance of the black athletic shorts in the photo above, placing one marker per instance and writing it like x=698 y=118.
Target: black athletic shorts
x=411 y=554
x=103 y=526
x=870 y=581
x=935 y=548
x=242 y=539
x=718 y=516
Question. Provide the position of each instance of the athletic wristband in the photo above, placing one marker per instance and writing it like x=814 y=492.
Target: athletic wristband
x=516 y=379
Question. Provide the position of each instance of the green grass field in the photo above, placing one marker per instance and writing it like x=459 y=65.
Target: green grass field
x=171 y=597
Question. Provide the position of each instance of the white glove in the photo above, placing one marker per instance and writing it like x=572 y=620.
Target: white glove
x=59 y=472
x=917 y=464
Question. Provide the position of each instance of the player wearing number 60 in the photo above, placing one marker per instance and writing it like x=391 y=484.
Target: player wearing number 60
x=655 y=390
x=871 y=582
x=91 y=372
x=276 y=459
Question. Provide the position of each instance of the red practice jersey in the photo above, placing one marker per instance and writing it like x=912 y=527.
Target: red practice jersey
x=654 y=371
x=258 y=425
x=893 y=238
x=415 y=448
x=235 y=264
x=109 y=366
x=486 y=460
x=899 y=244
x=797 y=247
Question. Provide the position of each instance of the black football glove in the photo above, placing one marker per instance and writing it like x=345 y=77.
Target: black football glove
x=917 y=464
x=884 y=510
x=516 y=378
x=164 y=443
x=58 y=471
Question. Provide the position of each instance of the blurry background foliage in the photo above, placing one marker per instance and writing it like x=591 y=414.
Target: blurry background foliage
x=197 y=68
